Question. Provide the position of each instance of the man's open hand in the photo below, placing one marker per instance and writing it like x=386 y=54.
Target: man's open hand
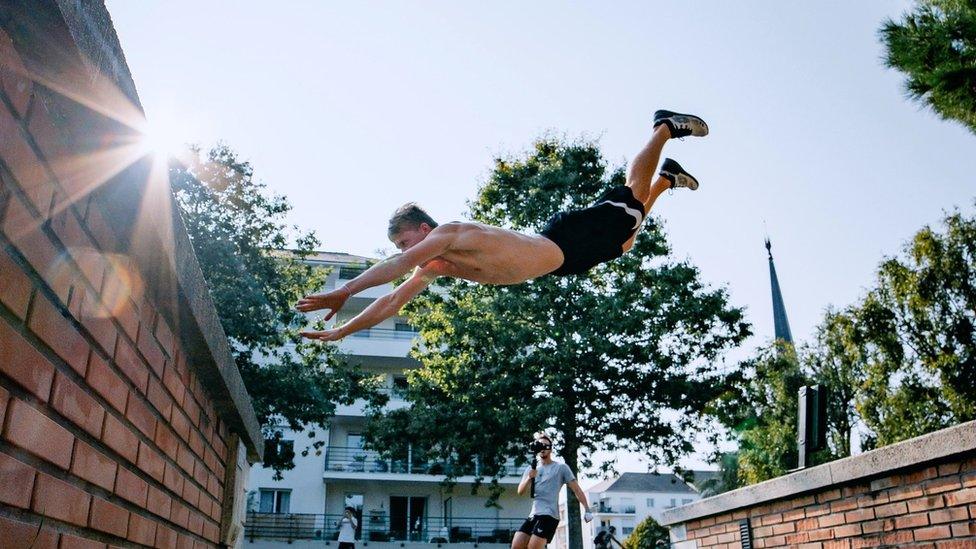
x=333 y=301
x=324 y=335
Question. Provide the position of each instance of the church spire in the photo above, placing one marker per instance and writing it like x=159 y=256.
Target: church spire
x=780 y=323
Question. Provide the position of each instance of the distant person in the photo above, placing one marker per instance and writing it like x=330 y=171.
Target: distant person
x=347 y=529
x=572 y=243
x=550 y=476
x=605 y=539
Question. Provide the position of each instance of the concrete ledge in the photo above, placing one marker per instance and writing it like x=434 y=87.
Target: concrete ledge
x=909 y=453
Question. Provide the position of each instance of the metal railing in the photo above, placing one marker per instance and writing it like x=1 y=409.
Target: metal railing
x=625 y=510
x=380 y=527
x=385 y=333
x=358 y=460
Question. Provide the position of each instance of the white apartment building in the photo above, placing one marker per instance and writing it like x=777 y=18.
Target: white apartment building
x=400 y=502
x=623 y=502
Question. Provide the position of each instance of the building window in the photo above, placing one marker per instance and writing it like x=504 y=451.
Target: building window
x=650 y=502
x=627 y=505
x=400 y=385
x=349 y=273
x=674 y=503
x=275 y=501
x=403 y=327
x=278 y=450
x=685 y=501
x=627 y=530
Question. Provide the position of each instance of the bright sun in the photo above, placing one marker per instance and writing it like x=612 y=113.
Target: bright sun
x=162 y=139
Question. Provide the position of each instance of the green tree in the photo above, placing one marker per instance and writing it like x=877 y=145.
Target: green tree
x=238 y=231
x=648 y=535
x=915 y=332
x=625 y=357
x=935 y=46
x=836 y=364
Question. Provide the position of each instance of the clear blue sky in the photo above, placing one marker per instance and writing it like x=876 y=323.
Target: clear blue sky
x=353 y=108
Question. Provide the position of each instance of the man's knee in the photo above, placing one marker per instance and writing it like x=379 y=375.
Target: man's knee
x=520 y=540
x=537 y=542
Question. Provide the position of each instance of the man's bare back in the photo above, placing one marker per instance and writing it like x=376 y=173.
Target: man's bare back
x=493 y=255
x=571 y=244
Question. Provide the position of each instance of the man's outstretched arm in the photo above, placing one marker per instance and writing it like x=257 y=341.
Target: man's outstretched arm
x=388 y=270
x=581 y=497
x=379 y=310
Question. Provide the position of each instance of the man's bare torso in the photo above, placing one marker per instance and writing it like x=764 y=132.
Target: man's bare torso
x=493 y=255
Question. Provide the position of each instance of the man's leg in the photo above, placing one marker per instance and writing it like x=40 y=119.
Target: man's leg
x=537 y=542
x=520 y=540
x=643 y=169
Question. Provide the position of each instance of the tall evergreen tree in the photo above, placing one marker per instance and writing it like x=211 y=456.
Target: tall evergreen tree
x=935 y=46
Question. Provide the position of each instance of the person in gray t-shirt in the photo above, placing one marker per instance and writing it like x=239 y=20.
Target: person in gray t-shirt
x=549 y=476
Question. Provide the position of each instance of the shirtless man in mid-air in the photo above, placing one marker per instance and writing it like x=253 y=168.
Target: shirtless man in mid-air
x=571 y=243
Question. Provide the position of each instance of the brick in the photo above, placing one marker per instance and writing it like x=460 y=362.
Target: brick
x=58 y=499
x=195 y=524
x=131 y=487
x=870 y=541
x=918 y=477
x=951 y=468
x=822 y=534
x=166 y=440
x=180 y=424
x=119 y=438
x=75 y=404
x=165 y=336
x=172 y=479
x=967 y=495
x=126 y=310
x=956 y=544
x=159 y=398
x=905 y=492
x=847 y=530
x=138 y=413
x=58 y=333
x=872 y=498
x=14 y=78
x=16 y=482
x=213 y=486
x=180 y=515
x=191 y=494
x=877 y=526
x=4 y=399
x=912 y=521
x=33 y=431
x=216 y=511
x=968 y=480
x=150 y=461
x=106 y=383
x=150 y=349
x=108 y=517
x=98 y=321
x=131 y=365
x=200 y=473
x=185 y=459
x=15 y=534
x=192 y=410
x=842 y=505
x=24 y=364
x=74 y=542
x=948 y=515
x=93 y=466
x=784 y=528
x=141 y=530
x=891 y=509
x=856 y=490
x=24 y=164
x=818 y=510
x=793 y=515
x=939 y=485
x=963 y=529
x=897 y=538
x=15 y=286
x=926 y=503
x=159 y=503
x=211 y=532
x=837 y=544
x=932 y=532
x=165 y=538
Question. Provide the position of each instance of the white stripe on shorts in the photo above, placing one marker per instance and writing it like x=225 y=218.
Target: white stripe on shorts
x=632 y=211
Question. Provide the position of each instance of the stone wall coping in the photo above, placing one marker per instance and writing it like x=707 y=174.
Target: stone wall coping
x=882 y=461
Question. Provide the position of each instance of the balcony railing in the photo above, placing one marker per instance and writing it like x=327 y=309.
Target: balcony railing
x=357 y=460
x=618 y=509
x=385 y=333
x=378 y=527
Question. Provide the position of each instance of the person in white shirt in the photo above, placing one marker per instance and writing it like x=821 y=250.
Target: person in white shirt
x=347 y=529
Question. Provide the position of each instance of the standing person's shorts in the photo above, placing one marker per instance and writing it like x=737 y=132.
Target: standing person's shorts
x=595 y=234
x=543 y=526
x=347 y=545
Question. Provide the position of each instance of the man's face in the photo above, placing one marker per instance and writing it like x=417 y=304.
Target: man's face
x=546 y=452
x=409 y=237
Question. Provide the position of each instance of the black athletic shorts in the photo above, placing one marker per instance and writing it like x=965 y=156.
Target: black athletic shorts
x=595 y=234
x=347 y=545
x=543 y=526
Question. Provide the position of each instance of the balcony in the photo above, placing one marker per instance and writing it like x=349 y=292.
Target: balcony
x=347 y=463
x=378 y=342
x=358 y=408
x=290 y=527
x=607 y=509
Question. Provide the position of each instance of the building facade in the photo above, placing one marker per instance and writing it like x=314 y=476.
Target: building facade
x=397 y=500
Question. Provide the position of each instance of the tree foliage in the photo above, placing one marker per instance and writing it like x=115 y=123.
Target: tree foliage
x=935 y=46
x=238 y=231
x=648 y=535
x=624 y=357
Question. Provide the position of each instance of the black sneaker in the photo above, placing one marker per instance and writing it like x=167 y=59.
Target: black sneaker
x=681 y=125
x=673 y=172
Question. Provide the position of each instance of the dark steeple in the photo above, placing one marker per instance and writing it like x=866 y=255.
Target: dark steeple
x=781 y=324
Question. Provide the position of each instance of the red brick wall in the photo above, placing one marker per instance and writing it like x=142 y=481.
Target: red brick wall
x=931 y=506
x=107 y=436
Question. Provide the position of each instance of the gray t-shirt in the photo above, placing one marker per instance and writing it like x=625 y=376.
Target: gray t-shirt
x=548 y=480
